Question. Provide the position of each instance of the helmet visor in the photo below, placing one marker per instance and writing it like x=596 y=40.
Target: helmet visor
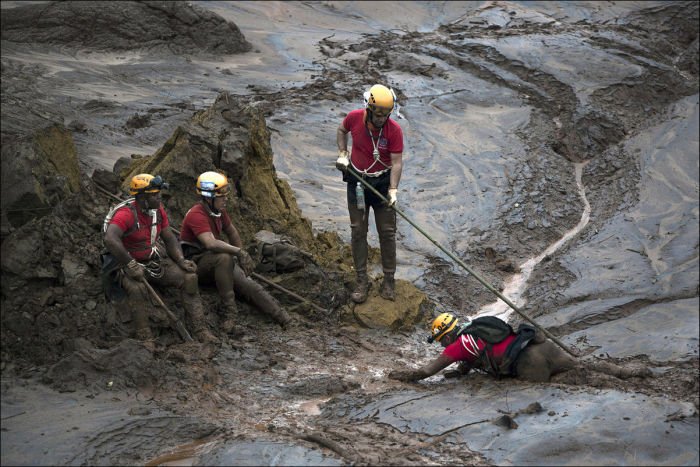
x=209 y=190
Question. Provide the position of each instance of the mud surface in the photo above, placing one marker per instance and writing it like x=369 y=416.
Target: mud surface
x=525 y=122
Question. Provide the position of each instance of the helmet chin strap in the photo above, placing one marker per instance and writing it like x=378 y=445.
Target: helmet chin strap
x=370 y=119
x=209 y=204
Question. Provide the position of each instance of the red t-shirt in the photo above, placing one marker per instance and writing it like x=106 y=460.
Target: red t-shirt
x=468 y=349
x=198 y=221
x=138 y=243
x=389 y=140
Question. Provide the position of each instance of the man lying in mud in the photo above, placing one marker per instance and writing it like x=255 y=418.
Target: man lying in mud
x=131 y=237
x=225 y=263
x=537 y=361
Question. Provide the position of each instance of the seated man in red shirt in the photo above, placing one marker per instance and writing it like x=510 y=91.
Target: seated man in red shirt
x=225 y=263
x=537 y=361
x=131 y=237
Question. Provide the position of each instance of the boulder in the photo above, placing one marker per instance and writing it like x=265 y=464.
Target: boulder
x=410 y=308
x=235 y=140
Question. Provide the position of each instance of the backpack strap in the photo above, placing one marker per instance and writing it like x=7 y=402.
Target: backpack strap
x=135 y=226
x=487 y=363
x=484 y=360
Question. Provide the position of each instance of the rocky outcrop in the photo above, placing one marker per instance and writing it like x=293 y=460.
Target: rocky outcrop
x=37 y=173
x=51 y=290
x=175 y=27
x=234 y=139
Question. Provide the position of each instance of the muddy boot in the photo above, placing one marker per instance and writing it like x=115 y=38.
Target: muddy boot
x=193 y=305
x=281 y=316
x=611 y=369
x=387 y=291
x=139 y=316
x=267 y=303
x=643 y=372
x=229 y=325
x=359 y=295
x=143 y=334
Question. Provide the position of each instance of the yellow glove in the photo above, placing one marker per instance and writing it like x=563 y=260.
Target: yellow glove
x=393 y=192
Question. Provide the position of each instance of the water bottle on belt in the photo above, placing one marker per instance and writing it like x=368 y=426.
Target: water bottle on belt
x=360 y=195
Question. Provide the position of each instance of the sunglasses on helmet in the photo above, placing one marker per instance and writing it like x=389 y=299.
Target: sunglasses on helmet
x=156 y=183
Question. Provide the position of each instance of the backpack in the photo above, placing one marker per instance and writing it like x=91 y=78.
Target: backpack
x=493 y=330
x=490 y=329
x=276 y=253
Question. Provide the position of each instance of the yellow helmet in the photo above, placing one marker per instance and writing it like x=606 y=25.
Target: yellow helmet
x=380 y=99
x=146 y=183
x=212 y=184
x=442 y=325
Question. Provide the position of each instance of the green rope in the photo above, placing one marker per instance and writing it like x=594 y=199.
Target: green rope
x=461 y=263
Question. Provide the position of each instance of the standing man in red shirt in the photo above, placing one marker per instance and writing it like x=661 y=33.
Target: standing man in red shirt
x=376 y=156
x=225 y=263
x=131 y=237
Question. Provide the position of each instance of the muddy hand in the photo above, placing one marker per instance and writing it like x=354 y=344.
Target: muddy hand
x=135 y=270
x=246 y=262
x=403 y=375
x=187 y=265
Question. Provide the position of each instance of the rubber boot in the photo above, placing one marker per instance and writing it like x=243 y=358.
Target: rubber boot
x=193 y=305
x=267 y=303
x=139 y=317
x=359 y=295
x=617 y=371
x=387 y=291
x=229 y=325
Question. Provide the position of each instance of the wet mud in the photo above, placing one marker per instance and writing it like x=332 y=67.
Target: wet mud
x=501 y=104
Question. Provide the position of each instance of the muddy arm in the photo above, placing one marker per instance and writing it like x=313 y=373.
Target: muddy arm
x=430 y=369
x=113 y=242
x=396 y=166
x=342 y=138
x=211 y=243
x=172 y=245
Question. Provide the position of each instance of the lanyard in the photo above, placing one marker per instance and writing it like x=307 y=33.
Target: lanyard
x=375 y=153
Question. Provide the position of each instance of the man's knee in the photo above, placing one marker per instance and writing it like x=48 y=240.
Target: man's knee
x=223 y=260
x=189 y=283
x=133 y=288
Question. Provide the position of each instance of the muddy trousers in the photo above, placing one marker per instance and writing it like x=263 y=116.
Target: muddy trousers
x=385 y=221
x=223 y=270
x=139 y=299
x=538 y=362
